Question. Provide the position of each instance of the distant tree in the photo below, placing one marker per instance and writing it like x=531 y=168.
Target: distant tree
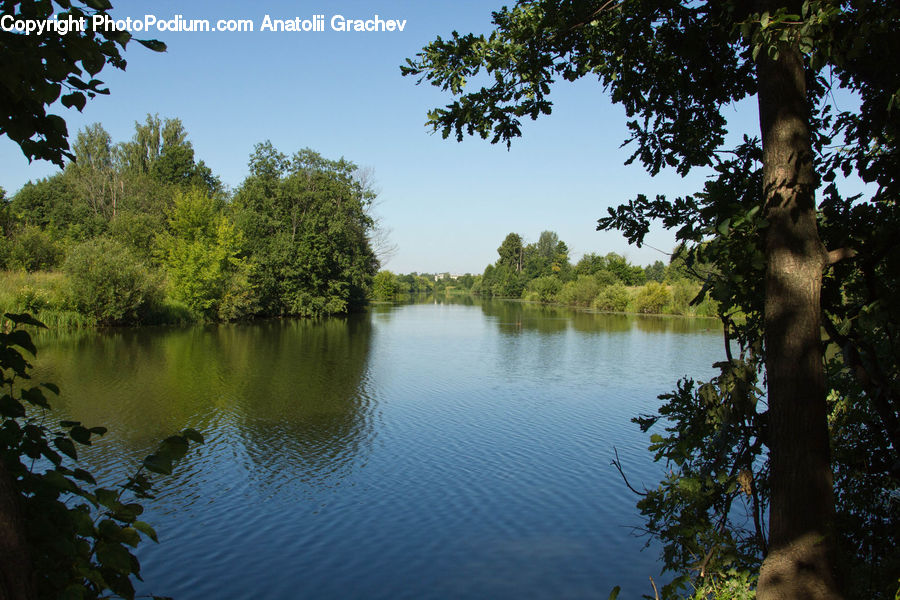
x=385 y=285
x=95 y=172
x=624 y=271
x=160 y=148
x=546 y=246
x=49 y=203
x=656 y=272
x=32 y=249
x=546 y=256
x=466 y=281
x=589 y=264
x=560 y=263
x=511 y=252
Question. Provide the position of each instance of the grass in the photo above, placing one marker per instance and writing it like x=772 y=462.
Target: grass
x=45 y=296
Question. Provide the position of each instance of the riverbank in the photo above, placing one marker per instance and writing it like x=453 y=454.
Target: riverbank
x=48 y=297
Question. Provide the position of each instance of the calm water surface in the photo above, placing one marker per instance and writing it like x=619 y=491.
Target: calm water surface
x=433 y=450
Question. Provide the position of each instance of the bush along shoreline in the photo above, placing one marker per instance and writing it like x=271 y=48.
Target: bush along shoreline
x=541 y=272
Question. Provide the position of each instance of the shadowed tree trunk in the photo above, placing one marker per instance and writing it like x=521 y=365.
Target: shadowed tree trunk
x=16 y=581
x=800 y=563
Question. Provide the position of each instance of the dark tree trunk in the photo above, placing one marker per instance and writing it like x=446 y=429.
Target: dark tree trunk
x=800 y=563
x=16 y=581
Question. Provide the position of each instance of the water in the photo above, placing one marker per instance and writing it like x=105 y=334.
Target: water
x=432 y=450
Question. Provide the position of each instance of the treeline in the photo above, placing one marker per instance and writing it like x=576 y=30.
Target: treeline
x=541 y=272
x=142 y=232
x=391 y=286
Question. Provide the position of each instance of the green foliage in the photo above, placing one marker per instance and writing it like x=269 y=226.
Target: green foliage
x=656 y=272
x=32 y=249
x=136 y=231
x=733 y=584
x=652 y=298
x=596 y=281
x=201 y=257
x=708 y=511
x=683 y=292
x=109 y=283
x=612 y=298
x=5 y=249
x=503 y=282
x=296 y=240
x=580 y=292
x=415 y=283
x=674 y=67
x=80 y=536
x=511 y=252
x=385 y=286
x=38 y=69
x=47 y=203
x=543 y=289
x=306 y=226
x=548 y=256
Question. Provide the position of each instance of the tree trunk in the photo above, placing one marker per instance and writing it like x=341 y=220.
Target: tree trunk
x=800 y=563
x=16 y=581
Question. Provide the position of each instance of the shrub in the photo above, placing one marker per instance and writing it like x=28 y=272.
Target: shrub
x=543 y=289
x=652 y=298
x=108 y=283
x=384 y=285
x=137 y=231
x=605 y=278
x=580 y=292
x=683 y=291
x=5 y=250
x=612 y=298
x=32 y=300
x=202 y=258
x=33 y=250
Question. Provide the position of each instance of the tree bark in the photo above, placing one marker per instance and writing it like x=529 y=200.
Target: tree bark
x=16 y=580
x=800 y=563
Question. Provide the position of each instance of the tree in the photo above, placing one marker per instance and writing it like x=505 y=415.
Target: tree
x=625 y=272
x=511 y=252
x=548 y=256
x=306 y=226
x=674 y=66
x=385 y=286
x=47 y=203
x=656 y=271
x=160 y=149
x=39 y=68
x=94 y=172
x=201 y=253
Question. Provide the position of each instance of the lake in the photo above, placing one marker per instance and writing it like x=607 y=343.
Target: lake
x=436 y=450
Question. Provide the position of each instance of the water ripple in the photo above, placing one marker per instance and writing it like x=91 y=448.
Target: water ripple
x=428 y=451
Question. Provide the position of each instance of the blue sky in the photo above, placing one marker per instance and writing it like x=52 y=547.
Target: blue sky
x=447 y=205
